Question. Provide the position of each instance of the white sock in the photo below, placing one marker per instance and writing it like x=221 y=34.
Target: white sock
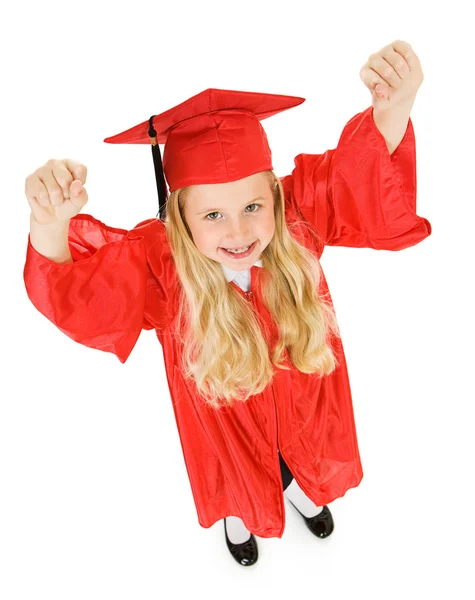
x=236 y=531
x=296 y=495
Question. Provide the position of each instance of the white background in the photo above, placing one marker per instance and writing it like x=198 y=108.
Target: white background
x=95 y=501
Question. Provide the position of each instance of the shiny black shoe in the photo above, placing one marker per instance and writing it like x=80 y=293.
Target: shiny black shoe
x=320 y=525
x=245 y=554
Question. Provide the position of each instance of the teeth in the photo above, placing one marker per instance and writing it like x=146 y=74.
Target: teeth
x=238 y=250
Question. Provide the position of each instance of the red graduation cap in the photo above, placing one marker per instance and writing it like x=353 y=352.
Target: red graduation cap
x=213 y=137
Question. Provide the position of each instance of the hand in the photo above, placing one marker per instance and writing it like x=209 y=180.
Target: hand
x=393 y=75
x=55 y=191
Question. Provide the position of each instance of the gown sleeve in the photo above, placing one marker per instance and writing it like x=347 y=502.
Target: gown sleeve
x=97 y=300
x=359 y=195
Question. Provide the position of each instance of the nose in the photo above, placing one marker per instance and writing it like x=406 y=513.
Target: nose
x=238 y=232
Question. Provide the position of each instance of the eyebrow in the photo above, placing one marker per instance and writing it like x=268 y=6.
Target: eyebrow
x=218 y=209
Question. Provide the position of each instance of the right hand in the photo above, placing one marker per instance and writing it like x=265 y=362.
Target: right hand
x=55 y=191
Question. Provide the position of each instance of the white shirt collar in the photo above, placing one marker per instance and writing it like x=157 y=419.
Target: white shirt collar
x=231 y=274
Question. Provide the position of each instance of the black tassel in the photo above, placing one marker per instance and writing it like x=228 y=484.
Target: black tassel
x=159 y=175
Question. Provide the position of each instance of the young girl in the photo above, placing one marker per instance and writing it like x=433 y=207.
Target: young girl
x=230 y=279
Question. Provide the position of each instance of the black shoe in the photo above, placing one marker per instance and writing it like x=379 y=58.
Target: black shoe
x=320 y=525
x=245 y=554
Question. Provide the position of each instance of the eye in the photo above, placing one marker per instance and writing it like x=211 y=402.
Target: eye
x=217 y=213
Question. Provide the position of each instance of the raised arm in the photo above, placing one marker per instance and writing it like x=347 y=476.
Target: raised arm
x=358 y=194
x=97 y=296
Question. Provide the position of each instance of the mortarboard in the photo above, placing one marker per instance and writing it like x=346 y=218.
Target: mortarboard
x=213 y=137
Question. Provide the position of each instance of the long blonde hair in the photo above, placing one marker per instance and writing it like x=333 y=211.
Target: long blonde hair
x=225 y=351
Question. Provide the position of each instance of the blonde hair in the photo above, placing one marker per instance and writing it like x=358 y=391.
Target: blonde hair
x=225 y=348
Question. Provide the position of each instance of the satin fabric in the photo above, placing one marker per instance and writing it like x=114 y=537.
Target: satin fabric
x=213 y=137
x=121 y=282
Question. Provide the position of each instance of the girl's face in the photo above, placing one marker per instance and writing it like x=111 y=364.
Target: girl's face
x=231 y=215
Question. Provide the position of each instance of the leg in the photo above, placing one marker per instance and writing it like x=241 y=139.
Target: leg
x=285 y=473
x=295 y=494
x=236 y=531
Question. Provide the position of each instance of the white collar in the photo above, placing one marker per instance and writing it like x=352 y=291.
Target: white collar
x=230 y=274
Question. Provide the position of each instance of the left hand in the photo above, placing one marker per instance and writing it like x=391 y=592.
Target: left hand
x=393 y=75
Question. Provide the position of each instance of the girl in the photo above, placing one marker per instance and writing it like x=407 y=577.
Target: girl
x=231 y=281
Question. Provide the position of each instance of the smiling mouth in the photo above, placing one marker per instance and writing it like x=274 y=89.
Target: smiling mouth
x=241 y=254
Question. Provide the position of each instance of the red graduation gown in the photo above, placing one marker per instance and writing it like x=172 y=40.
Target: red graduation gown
x=123 y=281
